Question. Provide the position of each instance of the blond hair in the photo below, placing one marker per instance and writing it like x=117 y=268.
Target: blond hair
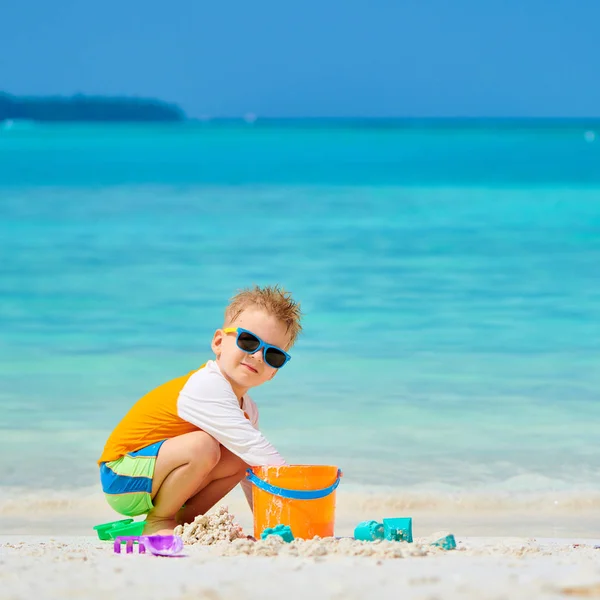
x=273 y=300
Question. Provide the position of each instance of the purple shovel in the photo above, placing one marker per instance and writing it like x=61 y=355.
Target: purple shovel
x=163 y=545
x=159 y=545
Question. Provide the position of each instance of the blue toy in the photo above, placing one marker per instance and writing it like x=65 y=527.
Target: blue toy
x=283 y=531
x=368 y=531
x=446 y=543
x=398 y=530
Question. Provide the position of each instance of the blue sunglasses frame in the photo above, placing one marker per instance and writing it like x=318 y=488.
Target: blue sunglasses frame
x=261 y=345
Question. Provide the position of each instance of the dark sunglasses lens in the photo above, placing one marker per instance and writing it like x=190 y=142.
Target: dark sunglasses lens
x=275 y=358
x=248 y=342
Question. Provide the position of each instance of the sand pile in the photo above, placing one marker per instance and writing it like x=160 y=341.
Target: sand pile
x=275 y=546
x=220 y=530
x=208 y=529
x=226 y=537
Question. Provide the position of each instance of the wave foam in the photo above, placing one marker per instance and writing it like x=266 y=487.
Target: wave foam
x=89 y=502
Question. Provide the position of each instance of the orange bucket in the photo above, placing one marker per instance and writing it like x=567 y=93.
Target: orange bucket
x=300 y=496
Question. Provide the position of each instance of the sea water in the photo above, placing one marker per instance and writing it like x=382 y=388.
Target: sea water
x=449 y=276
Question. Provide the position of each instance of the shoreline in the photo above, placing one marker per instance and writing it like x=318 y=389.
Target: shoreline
x=551 y=515
x=494 y=524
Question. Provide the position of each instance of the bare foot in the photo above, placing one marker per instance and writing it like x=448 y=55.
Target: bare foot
x=159 y=526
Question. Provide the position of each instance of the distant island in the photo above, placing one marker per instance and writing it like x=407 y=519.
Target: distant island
x=86 y=109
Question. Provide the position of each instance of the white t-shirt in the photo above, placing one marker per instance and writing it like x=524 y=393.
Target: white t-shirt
x=208 y=402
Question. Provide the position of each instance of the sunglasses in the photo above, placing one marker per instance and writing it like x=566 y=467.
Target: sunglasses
x=249 y=342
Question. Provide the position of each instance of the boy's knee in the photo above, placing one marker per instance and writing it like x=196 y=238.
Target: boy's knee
x=241 y=468
x=242 y=472
x=204 y=449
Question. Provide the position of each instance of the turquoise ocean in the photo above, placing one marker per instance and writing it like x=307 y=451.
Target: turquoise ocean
x=449 y=274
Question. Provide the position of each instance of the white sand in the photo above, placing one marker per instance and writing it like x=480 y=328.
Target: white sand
x=63 y=567
x=505 y=552
x=83 y=567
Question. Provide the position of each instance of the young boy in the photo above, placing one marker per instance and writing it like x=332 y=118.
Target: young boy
x=187 y=443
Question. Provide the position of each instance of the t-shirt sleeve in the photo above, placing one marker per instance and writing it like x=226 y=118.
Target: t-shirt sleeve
x=252 y=411
x=208 y=402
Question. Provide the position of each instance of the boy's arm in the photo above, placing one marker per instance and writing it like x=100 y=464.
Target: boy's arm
x=251 y=411
x=208 y=402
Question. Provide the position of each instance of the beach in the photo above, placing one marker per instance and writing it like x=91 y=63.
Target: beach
x=62 y=567
x=501 y=553
x=448 y=364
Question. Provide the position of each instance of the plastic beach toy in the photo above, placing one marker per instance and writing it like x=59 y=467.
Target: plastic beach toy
x=368 y=531
x=129 y=541
x=159 y=545
x=283 y=531
x=131 y=529
x=104 y=528
x=114 y=529
x=446 y=543
x=303 y=496
x=393 y=530
x=398 y=530
x=163 y=545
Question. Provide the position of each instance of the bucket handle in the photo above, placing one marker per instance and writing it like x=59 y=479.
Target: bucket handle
x=292 y=494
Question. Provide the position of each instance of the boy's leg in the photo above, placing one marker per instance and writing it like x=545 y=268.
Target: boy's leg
x=230 y=470
x=191 y=469
x=182 y=466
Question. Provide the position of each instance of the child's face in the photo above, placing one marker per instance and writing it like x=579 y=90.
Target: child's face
x=245 y=370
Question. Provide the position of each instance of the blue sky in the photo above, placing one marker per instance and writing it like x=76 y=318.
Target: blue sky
x=280 y=58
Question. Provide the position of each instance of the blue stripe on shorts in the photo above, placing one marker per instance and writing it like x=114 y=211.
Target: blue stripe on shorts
x=114 y=483
x=122 y=484
x=151 y=450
